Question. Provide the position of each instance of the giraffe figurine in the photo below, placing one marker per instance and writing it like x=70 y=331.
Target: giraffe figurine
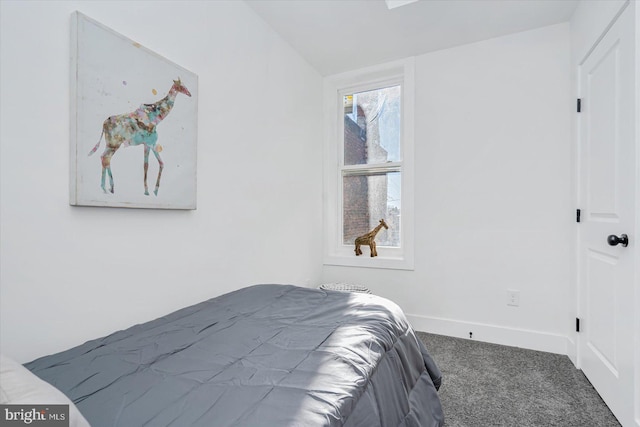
x=368 y=239
x=137 y=128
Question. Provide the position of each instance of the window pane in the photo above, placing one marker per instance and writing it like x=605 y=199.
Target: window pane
x=366 y=200
x=372 y=126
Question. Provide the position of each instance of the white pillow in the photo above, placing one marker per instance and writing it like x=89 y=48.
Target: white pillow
x=18 y=385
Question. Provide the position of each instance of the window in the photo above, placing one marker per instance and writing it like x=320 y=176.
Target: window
x=371 y=168
x=368 y=165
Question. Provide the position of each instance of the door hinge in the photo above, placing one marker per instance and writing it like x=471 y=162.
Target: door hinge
x=579 y=105
x=577 y=215
x=577 y=324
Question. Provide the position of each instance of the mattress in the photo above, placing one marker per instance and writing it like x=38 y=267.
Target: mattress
x=265 y=355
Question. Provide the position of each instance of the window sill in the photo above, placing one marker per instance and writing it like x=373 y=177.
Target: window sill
x=366 y=261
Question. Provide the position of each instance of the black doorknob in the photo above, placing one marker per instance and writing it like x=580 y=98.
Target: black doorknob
x=613 y=240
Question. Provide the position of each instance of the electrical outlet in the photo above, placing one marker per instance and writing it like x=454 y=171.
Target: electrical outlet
x=513 y=297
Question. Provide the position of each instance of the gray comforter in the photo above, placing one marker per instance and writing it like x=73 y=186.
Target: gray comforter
x=266 y=355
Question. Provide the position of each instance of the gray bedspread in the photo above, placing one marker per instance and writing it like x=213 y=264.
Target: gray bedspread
x=266 y=355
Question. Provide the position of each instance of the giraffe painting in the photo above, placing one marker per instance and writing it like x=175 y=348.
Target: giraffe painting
x=137 y=128
x=368 y=239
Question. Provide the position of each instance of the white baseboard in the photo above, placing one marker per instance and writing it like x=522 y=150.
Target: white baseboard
x=572 y=351
x=514 y=337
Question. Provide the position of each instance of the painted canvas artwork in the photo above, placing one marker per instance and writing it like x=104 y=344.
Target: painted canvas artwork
x=114 y=104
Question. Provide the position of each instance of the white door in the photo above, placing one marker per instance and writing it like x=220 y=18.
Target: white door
x=606 y=193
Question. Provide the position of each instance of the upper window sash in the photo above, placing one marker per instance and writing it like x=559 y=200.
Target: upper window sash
x=379 y=84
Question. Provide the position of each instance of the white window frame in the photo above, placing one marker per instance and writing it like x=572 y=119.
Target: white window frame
x=384 y=75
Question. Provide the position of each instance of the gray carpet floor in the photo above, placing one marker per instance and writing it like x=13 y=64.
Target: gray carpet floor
x=493 y=385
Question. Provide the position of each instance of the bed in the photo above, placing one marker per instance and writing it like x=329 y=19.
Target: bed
x=265 y=355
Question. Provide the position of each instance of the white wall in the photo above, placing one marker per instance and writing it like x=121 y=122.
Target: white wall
x=68 y=274
x=637 y=276
x=493 y=194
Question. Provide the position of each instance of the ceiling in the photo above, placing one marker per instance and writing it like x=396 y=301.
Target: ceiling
x=341 y=35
